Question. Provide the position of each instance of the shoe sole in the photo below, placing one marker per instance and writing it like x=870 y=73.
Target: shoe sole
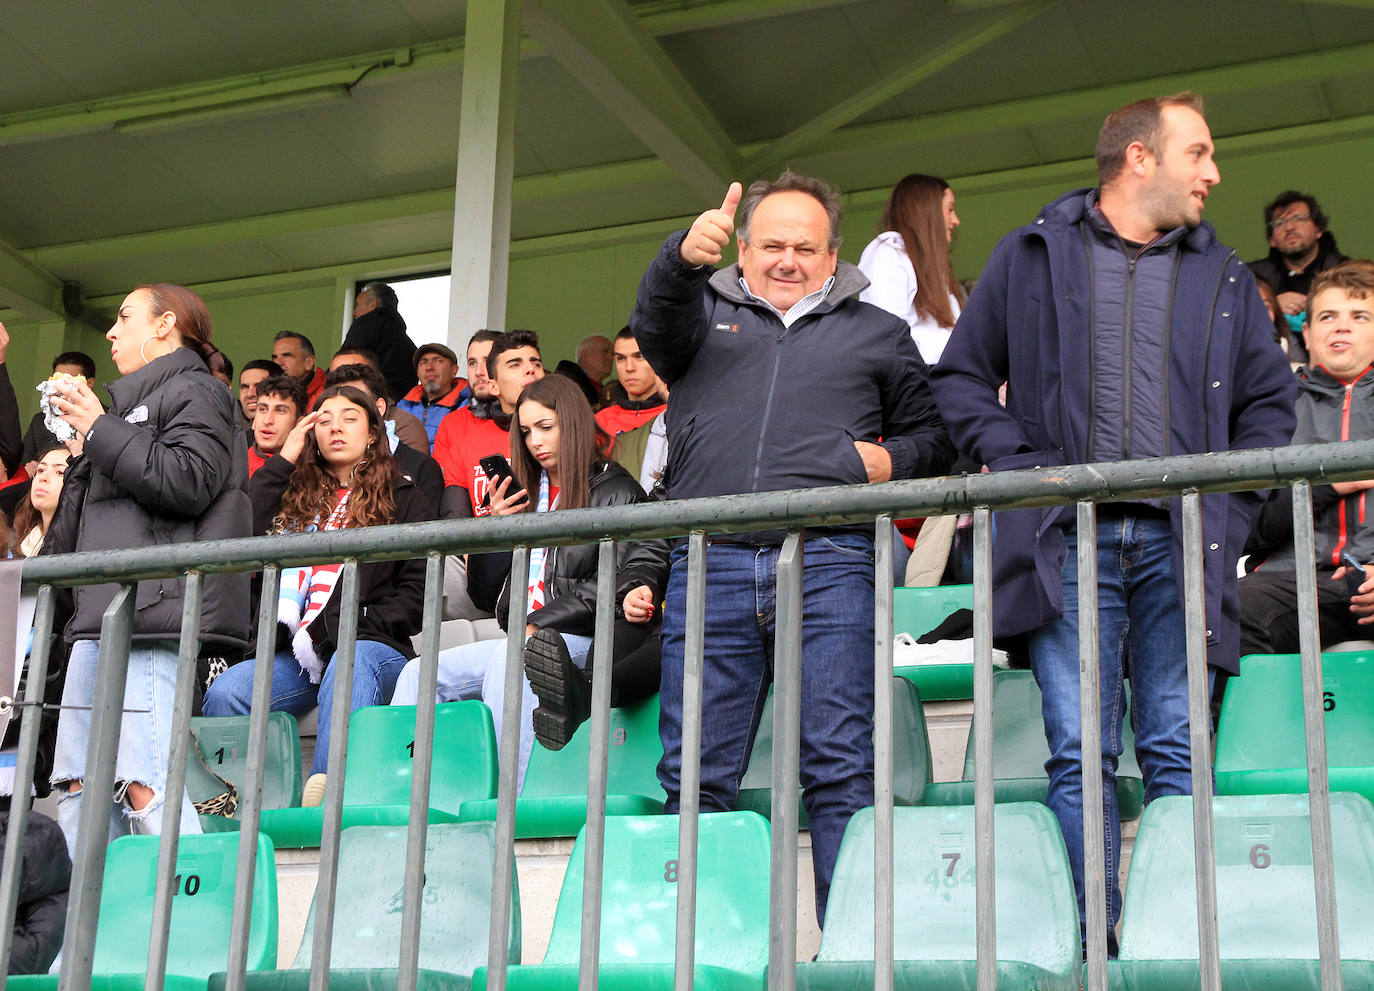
x=546 y=665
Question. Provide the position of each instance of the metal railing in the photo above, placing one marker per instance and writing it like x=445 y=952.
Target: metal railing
x=792 y=511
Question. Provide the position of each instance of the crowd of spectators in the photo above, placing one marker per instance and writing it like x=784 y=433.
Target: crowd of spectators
x=1114 y=325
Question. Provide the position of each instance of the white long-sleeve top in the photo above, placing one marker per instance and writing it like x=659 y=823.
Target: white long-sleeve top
x=892 y=286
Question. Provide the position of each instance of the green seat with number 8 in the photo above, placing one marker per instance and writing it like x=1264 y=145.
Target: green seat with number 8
x=1261 y=742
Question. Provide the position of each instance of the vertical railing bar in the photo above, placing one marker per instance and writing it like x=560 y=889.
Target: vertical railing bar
x=93 y=830
x=782 y=891
x=422 y=764
x=250 y=792
x=884 y=906
x=594 y=837
x=689 y=801
x=503 y=869
x=34 y=692
x=187 y=654
x=983 y=808
x=1200 y=742
x=327 y=889
x=1095 y=880
x=1314 y=724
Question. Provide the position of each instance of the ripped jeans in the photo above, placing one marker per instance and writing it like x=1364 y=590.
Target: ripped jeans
x=144 y=739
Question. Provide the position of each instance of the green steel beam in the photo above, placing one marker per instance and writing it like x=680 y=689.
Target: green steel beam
x=801 y=139
x=602 y=45
x=664 y=17
x=27 y=288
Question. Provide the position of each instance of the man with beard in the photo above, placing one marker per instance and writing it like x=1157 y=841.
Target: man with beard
x=1300 y=246
x=441 y=390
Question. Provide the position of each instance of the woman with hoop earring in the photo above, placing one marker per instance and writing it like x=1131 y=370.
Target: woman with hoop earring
x=334 y=471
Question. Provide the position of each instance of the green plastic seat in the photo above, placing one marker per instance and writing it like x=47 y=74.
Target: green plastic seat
x=381 y=740
x=917 y=611
x=1261 y=743
x=223 y=743
x=459 y=859
x=553 y=801
x=1038 y=942
x=639 y=908
x=911 y=754
x=201 y=912
x=1020 y=751
x=1266 y=915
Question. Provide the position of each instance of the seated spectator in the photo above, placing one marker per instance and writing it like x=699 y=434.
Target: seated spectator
x=335 y=471
x=441 y=390
x=1290 y=340
x=480 y=428
x=220 y=366
x=279 y=403
x=39 y=438
x=643 y=451
x=638 y=396
x=35 y=511
x=380 y=328
x=45 y=873
x=413 y=465
x=554 y=448
x=253 y=375
x=406 y=426
x=1300 y=246
x=1335 y=402
x=296 y=356
x=479 y=382
x=593 y=364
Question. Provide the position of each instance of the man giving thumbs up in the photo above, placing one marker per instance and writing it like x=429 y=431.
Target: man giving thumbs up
x=780 y=379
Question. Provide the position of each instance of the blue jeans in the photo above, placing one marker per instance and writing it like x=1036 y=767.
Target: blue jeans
x=145 y=739
x=478 y=671
x=836 y=684
x=375 y=667
x=1140 y=623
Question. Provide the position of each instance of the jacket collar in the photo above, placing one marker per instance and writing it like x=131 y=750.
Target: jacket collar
x=1073 y=208
x=849 y=281
x=132 y=387
x=1317 y=380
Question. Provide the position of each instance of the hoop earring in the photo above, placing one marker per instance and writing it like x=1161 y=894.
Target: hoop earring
x=360 y=467
x=141 y=347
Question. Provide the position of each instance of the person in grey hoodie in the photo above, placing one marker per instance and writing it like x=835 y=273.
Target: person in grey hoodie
x=1335 y=402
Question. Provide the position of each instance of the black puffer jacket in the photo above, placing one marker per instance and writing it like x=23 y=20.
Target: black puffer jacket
x=570 y=572
x=390 y=593
x=168 y=464
x=44 y=877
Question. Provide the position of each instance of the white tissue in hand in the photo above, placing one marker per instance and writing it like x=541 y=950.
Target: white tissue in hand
x=60 y=428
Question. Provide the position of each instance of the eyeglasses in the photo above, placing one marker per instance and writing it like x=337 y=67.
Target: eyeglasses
x=1293 y=221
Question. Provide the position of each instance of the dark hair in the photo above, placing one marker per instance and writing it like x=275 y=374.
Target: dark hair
x=79 y=358
x=791 y=182
x=287 y=387
x=219 y=364
x=1354 y=277
x=480 y=336
x=1141 y=121
x=915 y=210
x=509 y=341
x=26 y=514
x=1286 y=199
x=306 y=346
x=1271 y=300
x=261 y=365
x=381 y=292
x=370 y=378
x=188 y=309
x=625 y=334
x=369 y=357
x=581 y=441
x=310 y=493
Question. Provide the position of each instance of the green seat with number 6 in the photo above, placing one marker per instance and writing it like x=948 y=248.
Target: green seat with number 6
x=1261 y=742
x=639 y=908
x=1266 y=907
x=381 y=753
x=1038 y=942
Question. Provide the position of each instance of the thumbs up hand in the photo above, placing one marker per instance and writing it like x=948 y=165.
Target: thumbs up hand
x=710 y=233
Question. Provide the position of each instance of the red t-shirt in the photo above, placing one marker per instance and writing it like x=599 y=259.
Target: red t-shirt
x=255 y=460
x=617 y=419
x=461 y=442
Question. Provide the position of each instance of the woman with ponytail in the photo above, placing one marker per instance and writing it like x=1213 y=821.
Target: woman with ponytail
x=167 y=464
x=334 y=471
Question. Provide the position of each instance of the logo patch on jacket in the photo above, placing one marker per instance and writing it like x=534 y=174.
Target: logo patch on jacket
x=729 y=328
x=139 y=414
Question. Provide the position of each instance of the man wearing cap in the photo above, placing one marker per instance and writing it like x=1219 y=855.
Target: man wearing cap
x=440 y=391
